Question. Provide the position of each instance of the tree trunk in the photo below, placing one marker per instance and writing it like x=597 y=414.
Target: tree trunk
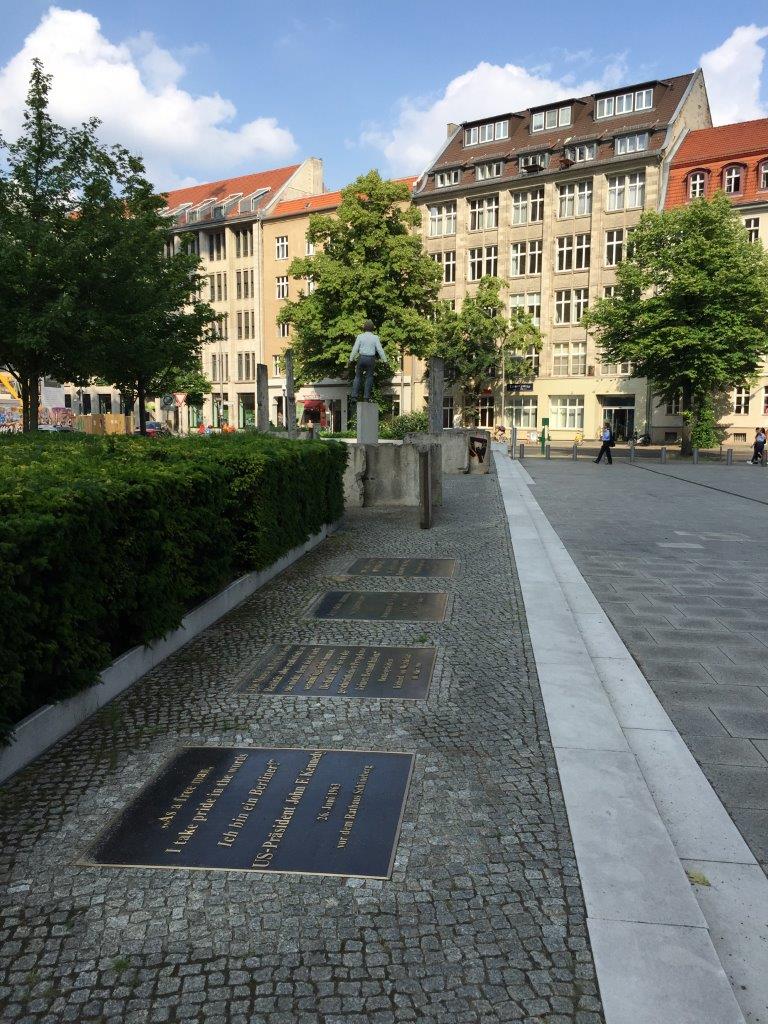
x=142 y=397
x=686 y=448
x=30 y=401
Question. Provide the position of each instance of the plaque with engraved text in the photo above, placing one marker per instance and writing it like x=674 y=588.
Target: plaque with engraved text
x=381 y=606
x=424 y=568
x=323 y=812
x=322 y=671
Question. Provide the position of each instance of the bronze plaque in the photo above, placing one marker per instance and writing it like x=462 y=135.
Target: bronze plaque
x=321 y=812
x=381 y=606
x=322 y=671
x=442 y=568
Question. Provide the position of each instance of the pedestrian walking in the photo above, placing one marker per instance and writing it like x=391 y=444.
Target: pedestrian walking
x=758 y=447
x=608 y=443
x=366 y=349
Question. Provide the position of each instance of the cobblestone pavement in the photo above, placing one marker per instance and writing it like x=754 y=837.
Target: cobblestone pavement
x=678 y=559
x=483 y=921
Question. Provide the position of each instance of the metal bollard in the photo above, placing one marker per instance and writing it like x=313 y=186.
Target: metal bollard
x=575 y=452
x=695 y=456
x=548 y=451
x=522 y=450
x=729 y=457
x=632 y=452
x=662 y=455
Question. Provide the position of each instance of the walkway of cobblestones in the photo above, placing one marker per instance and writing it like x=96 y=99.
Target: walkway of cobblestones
x=483 y=920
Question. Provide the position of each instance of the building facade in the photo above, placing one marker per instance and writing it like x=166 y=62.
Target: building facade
x=545 y=199
x=731 y=158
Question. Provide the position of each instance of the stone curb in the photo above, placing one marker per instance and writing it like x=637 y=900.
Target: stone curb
x=51 y=723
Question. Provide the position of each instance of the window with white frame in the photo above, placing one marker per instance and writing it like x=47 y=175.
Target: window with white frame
x=626 y=191
x=560 y=359
x=566 y=196
x=752 y=225
x=566 y=412
x=580 y=303
x=281 y=247
x=697 y=183
x=546 y=120
x=282 y=288
x=537 y=205
x=609 y=291
x=491 y=170
x=277 y=366
x=634 y=143
x=578 y=358
x=517 y=259
x=732 y=177
x=484 y=213
x=486 y=410
x=644 y=99
x=475 y=263
x=564 y=253
x=741 y=401
x=449 y=266
x=616 y=192
x=490 y=132
x=533 y=160
x=492 y=260
x=584 y=151
x=625 y=103
x=674 y=405
x=524 y=411
x=582 y=251
x=283 y=330
x=532 y=357
x=762 y=175
x=528 y=302
x=535 y=248
x=616 y=369
x=445 y=178
x=310 y=283
x=583 y=197
x=309 y=248
x=614 y=247
x=635 y=190
x=563 y=306
x=447 y=411
x=442 y=220
x=528 y=206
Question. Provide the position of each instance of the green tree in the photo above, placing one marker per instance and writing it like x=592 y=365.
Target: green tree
x=690 y=308
x=478 y=340
x=369 y=265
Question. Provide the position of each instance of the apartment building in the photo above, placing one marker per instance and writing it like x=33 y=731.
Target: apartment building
x=326 y=401
x=732 y=158
x=545 y=199
x=225 y=219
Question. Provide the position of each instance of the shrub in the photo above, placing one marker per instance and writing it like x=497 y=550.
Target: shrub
x=106 y=543
x=397 y=428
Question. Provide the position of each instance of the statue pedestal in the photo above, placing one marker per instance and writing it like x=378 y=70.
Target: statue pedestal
x=367 y=423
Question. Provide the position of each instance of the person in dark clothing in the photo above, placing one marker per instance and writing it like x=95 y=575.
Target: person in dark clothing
x=605 y=448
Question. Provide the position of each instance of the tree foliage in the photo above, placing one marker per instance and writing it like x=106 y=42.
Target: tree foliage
x=369 y=265
x=479 y=340
x=690 y=308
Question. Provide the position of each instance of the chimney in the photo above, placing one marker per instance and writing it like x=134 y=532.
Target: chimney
x=451 y=129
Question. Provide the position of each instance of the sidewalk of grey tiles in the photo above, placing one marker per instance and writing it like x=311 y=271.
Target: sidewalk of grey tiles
x=483 y=921
x=696 y=618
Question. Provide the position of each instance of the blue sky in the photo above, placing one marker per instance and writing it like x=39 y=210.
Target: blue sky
x=206 y=91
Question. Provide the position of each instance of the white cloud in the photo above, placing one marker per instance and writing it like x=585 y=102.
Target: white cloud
x=733 y=73
x=133 y=87
x=487 y=89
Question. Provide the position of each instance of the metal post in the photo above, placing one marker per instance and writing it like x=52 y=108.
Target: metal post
x=512 y=442
x=436 y=392
x=575 y=452
x=425 y=488
x=290 y=397
x=695 y=456
x=548 y=451
x=662 y=455
x=522 y=450
x=729 y=457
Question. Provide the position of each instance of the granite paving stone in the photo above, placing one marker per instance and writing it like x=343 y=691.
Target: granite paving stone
x=483 y=920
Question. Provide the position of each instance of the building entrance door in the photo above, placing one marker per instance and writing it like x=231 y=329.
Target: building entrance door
x=622 y=421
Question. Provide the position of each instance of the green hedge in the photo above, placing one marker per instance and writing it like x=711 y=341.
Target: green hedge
x=106 y=543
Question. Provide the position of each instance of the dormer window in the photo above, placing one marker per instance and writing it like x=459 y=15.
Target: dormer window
x=584 y=151
x=480 y=133
x=732 y=179
x=534 y=161
x=762 y=175
x=631 y=143
x=697 y=185
x=445 y=178
x=625 y=103
x=546 y=120
x=492 y=170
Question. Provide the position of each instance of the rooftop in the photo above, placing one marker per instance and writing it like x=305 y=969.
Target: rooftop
x=241 y=192
x=728 y=140
x=321 y=201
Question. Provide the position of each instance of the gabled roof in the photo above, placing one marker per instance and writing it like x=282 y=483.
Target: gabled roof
x=246 y=184
x=728 y=140
x=321 y=201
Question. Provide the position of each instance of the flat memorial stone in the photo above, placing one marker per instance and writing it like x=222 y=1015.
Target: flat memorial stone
x=323 y=812
x=323 y=671
x=442 y=568
x=380 y=606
